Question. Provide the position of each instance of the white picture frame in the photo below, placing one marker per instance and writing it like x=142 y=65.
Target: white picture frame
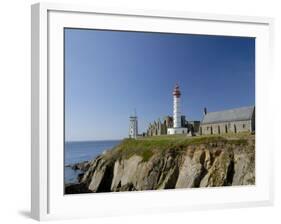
x=48 y=201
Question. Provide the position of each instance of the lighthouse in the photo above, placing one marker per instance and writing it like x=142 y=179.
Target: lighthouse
x=177 y=126
x=133 y=126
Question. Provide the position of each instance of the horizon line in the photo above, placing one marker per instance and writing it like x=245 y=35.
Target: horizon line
x=101 y=140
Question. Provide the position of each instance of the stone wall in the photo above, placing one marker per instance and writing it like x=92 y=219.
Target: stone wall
x=226 y=127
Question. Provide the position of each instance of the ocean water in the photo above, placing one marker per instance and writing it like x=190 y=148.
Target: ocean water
x=76 y=152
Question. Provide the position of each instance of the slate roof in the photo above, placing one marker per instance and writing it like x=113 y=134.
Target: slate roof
x=236 y=114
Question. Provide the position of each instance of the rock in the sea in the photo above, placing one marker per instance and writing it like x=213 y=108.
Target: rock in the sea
x=83 y=166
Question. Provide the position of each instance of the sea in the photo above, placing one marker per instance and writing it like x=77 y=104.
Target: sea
x=81 y=151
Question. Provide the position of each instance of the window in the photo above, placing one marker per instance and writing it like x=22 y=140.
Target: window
x=244 y=125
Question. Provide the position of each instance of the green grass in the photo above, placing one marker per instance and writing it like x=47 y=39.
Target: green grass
x=146 y=154
x=146 y=147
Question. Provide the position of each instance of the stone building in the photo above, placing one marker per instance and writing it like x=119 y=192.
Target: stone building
x=160 y=127
x=228 y=121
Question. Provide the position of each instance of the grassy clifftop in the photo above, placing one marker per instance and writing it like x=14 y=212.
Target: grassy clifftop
x=148 y=146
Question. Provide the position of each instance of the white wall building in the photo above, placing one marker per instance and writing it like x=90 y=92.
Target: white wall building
x=177 y=128
x=133 y=127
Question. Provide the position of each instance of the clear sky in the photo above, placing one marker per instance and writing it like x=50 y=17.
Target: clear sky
x=108 y=74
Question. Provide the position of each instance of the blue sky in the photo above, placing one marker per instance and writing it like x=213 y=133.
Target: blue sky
x=108 y=74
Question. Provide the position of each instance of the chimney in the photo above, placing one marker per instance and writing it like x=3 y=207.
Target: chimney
x=205 y=110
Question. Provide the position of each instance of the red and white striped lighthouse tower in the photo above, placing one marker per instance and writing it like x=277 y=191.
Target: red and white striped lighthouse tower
x=176 y=110
x=177 y=127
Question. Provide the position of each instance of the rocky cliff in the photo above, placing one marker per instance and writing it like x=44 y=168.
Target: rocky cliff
x=159 y=163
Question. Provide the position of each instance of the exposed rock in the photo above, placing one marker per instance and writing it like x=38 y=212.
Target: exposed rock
x=148 y=173
x=210 y=164
x=99 y=176
x=244 y=166
x=124 y=172
x=171 y=179
x=192 y=170
x=127 y=187
x=92 y=168
x=220 y=172
x=80 y=177
x=76 y=189
x=169 y=171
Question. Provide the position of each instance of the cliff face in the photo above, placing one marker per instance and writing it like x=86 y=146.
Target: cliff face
x=212 y=163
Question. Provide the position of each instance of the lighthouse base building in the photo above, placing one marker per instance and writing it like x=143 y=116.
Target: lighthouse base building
x=174 y=131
